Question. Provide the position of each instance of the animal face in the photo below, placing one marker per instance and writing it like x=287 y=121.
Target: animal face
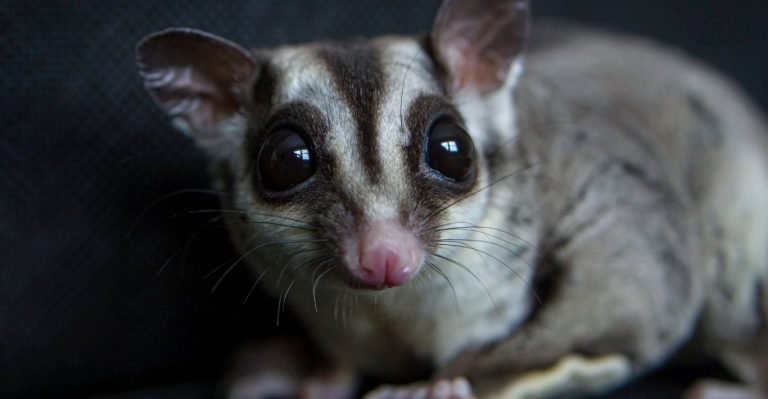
x=360 y=162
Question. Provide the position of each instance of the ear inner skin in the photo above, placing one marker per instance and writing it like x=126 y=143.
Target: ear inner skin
x=477 y=41
x=197 y=78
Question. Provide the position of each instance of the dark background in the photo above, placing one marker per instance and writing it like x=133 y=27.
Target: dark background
x=83 y=152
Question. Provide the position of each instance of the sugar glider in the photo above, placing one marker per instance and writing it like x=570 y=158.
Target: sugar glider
x=487 y=210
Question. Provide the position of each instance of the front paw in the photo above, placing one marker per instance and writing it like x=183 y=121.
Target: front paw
x=330 y=384
x=711 y=389
x=572 y=376
x=282 y=368
x=457 y=388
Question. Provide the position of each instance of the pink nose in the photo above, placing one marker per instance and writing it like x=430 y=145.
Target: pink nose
x=388 y=255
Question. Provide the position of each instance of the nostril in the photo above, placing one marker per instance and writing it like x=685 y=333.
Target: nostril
x=388 y=255
x=398 y=269
x=386 y=266
x=374 y=265
x=370 y=272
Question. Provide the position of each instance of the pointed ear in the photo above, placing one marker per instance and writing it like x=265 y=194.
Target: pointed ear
x=477 y=41
x=200 y=80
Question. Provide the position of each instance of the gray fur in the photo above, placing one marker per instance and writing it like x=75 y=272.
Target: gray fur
x=625 y=190
x=652 y=240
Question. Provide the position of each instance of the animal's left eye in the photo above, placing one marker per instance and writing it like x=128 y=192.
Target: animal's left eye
x=450 y=151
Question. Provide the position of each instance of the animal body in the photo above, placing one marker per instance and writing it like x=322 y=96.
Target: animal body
x=504 y=212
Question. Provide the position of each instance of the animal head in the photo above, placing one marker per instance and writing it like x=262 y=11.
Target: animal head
x=353 y=157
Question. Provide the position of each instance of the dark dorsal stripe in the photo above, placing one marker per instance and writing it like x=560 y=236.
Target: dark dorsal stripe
x=423 y=111
x=357 y=73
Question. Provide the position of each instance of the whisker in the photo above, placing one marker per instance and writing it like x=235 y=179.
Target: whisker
x=335 y=308
x=215 y=269
x=290 y=257
x=255 y=283
x=167 y=262
x=280 y=308
x=199 y=211
x=242 y=256
x=247 y=254
x=480 y=252
x=285 y=266
x=503 y=244
x=226 y=272
x=442 y=209
x=468 y=270
x=437 y=270
x=314 y=287
x=269 y=215
x=517 y=253
x=266 y=223
x=478 y=228
x=344 y=306
x=318 y=260
x=418 y=281
x=205 y=228
x=166 y=197
x=310 y=227
x=513 y=252
x=319 y=263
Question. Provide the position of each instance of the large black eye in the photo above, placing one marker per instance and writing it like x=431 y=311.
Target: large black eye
x=284 y=160
x=450 y=151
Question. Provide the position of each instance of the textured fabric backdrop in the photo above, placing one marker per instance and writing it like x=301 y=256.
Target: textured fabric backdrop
x=87 y=308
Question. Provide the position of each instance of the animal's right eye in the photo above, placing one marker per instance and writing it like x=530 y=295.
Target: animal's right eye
x=285 y=160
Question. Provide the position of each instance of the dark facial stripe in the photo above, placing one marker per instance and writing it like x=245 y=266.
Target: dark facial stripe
x=420 y=114
x=306 y=120
x=429 y=195
x=324 y=191
x=423 y=111
x=264 y=88
x=437 y=69
x=261 y=103
x=357 y=73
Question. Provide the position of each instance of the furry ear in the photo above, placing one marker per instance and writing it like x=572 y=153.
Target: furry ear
x=477 y=41
x=202 y=81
